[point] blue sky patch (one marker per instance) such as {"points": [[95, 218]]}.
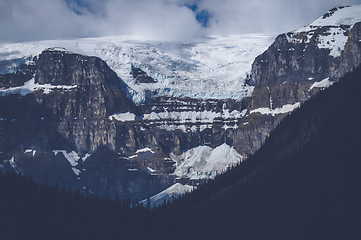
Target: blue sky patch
{"points": [[202, 15]]}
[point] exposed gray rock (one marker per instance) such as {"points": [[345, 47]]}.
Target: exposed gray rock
{"points": [[351, 55]]}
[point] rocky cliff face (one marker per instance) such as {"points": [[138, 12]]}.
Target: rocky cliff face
{"points": [[83, 110], [56, 116], [67, 119], [351, 55], [327, 48], [72, 110]]}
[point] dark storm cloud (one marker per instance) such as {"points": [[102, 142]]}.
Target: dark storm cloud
{"points": [[22, 20]]}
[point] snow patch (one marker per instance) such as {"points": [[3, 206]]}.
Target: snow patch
{"points": [[147, 149], [194, 116], [76, 171], [72, 156], [185, 128], [30, 86], [123, 117], [12, 162], [168, 194], [86, 157], [152, 171], [226, 127], [205, 162], [32, 151], [284, 109], [334, 39], [321, 84], [193, 120], [132, 169]]}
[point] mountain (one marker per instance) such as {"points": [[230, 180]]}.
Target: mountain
{"points": [[209, 68], [132, 118], [302, 183]]}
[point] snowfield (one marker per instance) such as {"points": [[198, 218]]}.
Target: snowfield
{"points": [[214, 67], [205, 162], [335, 37]]}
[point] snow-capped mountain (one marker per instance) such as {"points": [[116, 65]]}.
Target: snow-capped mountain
{"points": [[337, 21], [215, 67], [113, 115]]}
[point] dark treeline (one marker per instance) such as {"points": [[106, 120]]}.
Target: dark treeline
{"points": [[29, 210], [304, 183]]}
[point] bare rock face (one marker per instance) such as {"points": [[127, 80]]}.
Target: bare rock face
{"points": [[95, 93], [290, 60], [300, 58], [141, 76], [285, 73], [351, 55], [297, 56]]}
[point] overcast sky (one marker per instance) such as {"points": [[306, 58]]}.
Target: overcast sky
{"points": [[22, 20]]}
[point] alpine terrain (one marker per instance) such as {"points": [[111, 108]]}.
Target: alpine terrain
{"points": [[132, 119], [303, 183]]}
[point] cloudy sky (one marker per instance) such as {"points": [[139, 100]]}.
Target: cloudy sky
{"points": [[23, 20]]}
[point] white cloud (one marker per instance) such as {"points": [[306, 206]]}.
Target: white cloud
{"points": [[157, 19], [22, 20], [235, 16]]}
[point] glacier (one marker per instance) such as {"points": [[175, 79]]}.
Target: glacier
{"points": [[210, 68]]}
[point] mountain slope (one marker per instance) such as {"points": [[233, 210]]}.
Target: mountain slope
{"points": [[304, 182]]}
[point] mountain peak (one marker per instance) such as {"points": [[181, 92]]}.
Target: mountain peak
{"points": [[338, 16]]}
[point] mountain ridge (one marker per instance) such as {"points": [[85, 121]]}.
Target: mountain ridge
{"points": [[92, 117]]}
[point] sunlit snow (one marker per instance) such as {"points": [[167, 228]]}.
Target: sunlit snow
{"points": [[194, 116], [147, 149], [205, 162], [321, 84], [284, 109], [214, 67], [32, 151], [123, 117], [31, 86], [334, 38]]}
